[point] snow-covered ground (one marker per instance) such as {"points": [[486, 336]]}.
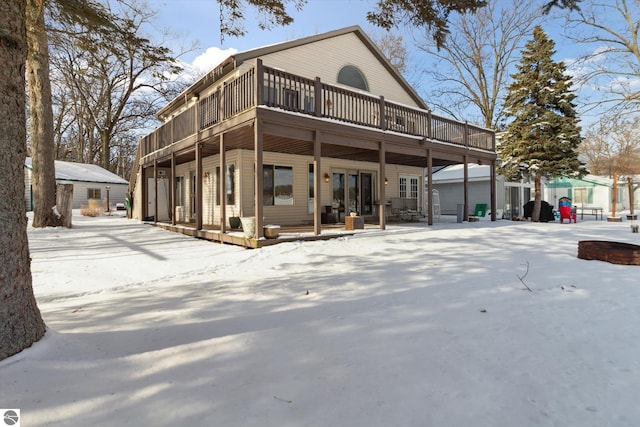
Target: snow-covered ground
{"points": [[412, 326]]}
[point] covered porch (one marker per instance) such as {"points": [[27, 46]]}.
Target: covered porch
{"points": [[338, 124]]}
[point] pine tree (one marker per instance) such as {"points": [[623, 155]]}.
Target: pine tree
{"points": [[21, 323], [543, 138]]}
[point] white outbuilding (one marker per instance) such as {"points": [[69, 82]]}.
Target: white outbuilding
{"points": [[89, 182]]}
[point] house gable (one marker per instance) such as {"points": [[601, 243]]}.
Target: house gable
{"points": [[326, 57], [323, 56]]}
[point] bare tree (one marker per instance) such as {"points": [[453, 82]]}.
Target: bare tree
{"points": [[394, 49], [613, 66], [271, 12], [40, 99], [74, 132], [40, 118], [22, 324], [472, 67], [430, 15], [119, 80], [612, 146]]}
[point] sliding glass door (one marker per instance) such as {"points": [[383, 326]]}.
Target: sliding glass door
{"points": [[353, 191]]}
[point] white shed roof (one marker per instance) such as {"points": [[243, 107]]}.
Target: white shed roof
{"points": [[70, 171], [455, 173]]}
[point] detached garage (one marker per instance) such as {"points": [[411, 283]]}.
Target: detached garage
{"points": [[89, 182]]}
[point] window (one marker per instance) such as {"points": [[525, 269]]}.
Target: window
{"points": [[409, 186], [270, 95], [403, 187], [180, 191], [277, 183], [291, 99], [93, 193], [580, 196], [230, 184], [309, 104], [218, 185], [352, 76], [311, 189]]}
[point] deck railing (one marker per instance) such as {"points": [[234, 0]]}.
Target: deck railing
{"points": [[262, 85]]}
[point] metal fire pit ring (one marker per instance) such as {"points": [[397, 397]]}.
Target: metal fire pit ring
{"points": [[613, 252]]}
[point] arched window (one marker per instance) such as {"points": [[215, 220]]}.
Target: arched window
{"points": [[352, 76]]}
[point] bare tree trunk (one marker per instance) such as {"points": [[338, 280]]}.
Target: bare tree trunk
{"points": [[64, 202], [105, 148], [537, 204], [615, 195], [20, 322], [41, 117], [631, 201]]}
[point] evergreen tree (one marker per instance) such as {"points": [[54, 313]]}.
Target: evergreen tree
{"points": [[543, 138], [20, 321]]}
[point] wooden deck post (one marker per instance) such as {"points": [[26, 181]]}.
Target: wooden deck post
{"points": [[493, 141], [155, 190], [466, 135], [221, 103], [172, 188], [258, 160], [465, 215], [317, 182], [222, 186], [317, 93], [383, 117], [171, 137], [429, 187], [259, 83], [382, 159], [199, 186], [494, 204]]}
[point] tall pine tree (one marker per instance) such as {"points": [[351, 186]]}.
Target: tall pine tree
{"points": [[543, 138]]}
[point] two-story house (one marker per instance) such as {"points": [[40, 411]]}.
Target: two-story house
{"points": [[293, 132]]}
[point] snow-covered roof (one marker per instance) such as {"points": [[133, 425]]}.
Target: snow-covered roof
{"points": [[70, 171], [455, 173], [588, 180]]}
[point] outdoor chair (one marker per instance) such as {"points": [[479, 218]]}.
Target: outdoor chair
{"points": [[567, 213], [481, 210], [398, 209], [566, 210], [411, 206]]}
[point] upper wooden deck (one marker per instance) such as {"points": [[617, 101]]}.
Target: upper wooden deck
{"points": [[265, 86]]}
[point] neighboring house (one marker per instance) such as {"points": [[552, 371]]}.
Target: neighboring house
{"points": [[89, 182], [590, 190], [593, 190], [326, 121], [449, 181], [510, 196]]}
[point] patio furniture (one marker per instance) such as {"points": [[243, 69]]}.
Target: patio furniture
{"points": [[566, 210], [546, 211], [480, 210]]}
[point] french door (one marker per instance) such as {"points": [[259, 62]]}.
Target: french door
{"points": [[353, 191]]}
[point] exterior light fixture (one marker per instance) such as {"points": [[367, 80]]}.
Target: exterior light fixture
{"points": [[108, 187], [326, 177], [386, 180]]}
